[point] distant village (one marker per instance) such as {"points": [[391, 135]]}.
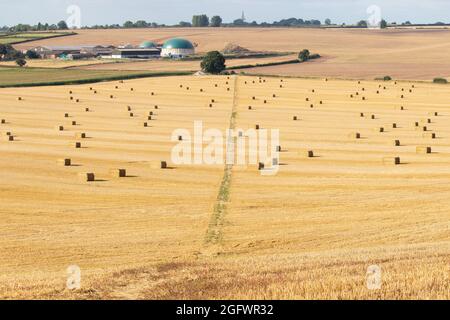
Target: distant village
{"points": [[175, 48]]}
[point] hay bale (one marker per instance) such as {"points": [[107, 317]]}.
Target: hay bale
{"points": [[394, 125], [416, 124], [213, 101], [391, 161], [320, 102], [279, 149], [257, 127], [307, 99], [295, 118], [249, 107], [355, 135], [423, 150], [149, 118], [71, 98], [74, 123], [181, 86], [150, 113], [210, 105], [363, 98], [311, 106], [309, 154], [64, 162], [80, 135], [254, 98], [228, 89], [111, 97], [86, 177], [422, 128], [118, 173], [274, 95], [156, 107], [427, 120], [59, 128], [128, 108], [95, 92], [86, 109], [201, 90], [435, 114], [380, 129], [3, 121], [145, 124], [19, 98], [260, 166], [180, 138], [131, 114], [265, 101], [9, 138], [131, 89], [372, 117], [78, 100], [216, 85], [117, 87], [163, 165], [281, 86], [77, 145], [396, 143], [7, 133], [429, 135], [66, 115], [361, 114]]}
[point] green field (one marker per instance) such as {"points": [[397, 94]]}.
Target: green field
{"points": [[17, 77], [13, 38]]}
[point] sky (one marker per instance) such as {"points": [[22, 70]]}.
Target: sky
{"points": [[173, 11]]}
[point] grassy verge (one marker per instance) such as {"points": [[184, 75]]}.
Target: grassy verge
{"points": [[30, 77]]}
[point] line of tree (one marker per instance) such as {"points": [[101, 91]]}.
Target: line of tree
{"points": [[62, 25], [203, 20]]}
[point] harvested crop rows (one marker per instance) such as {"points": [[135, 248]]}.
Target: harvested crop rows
{"points": [[363, 179]]}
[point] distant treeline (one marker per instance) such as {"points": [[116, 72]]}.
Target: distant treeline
{"points": [[215, 21]]}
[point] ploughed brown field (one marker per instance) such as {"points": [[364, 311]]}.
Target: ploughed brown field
{"points": [[401, 53], [211, 231]]}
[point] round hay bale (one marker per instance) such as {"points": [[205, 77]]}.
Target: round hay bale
{"points": [[145, 124], [429, 135], [77, 145], [396, 143], [59, 128], [355, 135]]}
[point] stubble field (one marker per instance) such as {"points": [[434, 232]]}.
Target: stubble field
{"points": [[210, 231], [366, 54]]}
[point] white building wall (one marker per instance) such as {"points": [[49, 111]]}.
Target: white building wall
{"points": [[177, 52]]}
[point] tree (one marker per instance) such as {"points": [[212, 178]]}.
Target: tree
{"points": [[62, 25], [304, 55], [30, 54], [328, 22], [362, 24], [239, 22], [200, 20], [21, 62], [216, 21], [383, 24], [213, 62], [185, 24], [128, 25]]}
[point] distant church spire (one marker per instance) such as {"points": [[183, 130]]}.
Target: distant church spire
{"points": [[243, 16]]}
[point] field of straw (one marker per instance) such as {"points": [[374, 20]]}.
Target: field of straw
{"points": [[403, 54], [210, 231]]}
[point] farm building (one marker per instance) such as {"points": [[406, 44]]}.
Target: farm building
{"points": [[136, 53], [177, 48], [72, 52]]}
